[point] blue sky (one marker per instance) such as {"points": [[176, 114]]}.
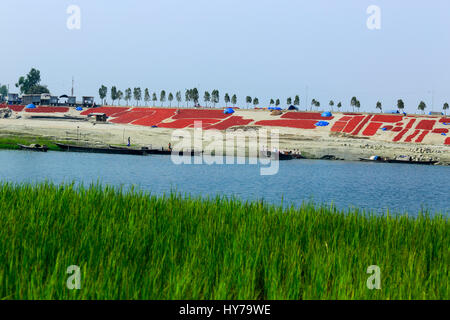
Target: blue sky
{"points": [[262, 48]]}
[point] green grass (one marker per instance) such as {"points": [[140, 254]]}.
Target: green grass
{"points": [[10, 142], [131, 245]]}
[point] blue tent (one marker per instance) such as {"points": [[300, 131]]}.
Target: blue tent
{"points": [[384, 129], [30, 106], [321, 124], [79, 108], [228, 111], [277, 108], [326, 114]]}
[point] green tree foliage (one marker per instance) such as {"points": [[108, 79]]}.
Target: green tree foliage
{"points": [[137, 94], [297, 101], [255, 102], [422, 106], [272, 102], [445, 107], [146, 96], [30, 84], [339, 105], [187, 96], [154, 98], [379, 106], [227, 99], [353, 102], [102, 92], [162, 97], [277, 103], [289, 101], [3, 90], [170, 98], [400, 104], [358, 104], [113, 94], [234, 100], [331, 104], [128, 95], [119, 96], [248, 100], [215, 97], [178, 96], [195, 96], [207, 98]]}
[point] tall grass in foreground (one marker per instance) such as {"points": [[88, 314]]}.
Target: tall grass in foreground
{"points": [[131, 245]]}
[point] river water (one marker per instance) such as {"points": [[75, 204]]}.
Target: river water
{"points": [[373, 186]]}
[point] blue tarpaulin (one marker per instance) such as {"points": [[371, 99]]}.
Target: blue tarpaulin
{"points": [[321, 124], [384, 129], [79, 108], [228, 111], [30, 106], [326, 114]]}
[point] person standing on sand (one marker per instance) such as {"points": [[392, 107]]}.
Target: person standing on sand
{"points": [[129, 142]]}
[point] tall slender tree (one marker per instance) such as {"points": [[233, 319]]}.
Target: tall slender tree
{"points": [[119, 96], [353, 102], [277, 102], [162, 97], [255, 102], [178, 96], [289, 101], [154, 99], [137, 95], [234, 100], [187, 97], [379, 106], [248, 100], [195, 96], [339, 105], [358, 104], [146, 96], [207, 98], [128, 95], [331, 103], [445, 108], [422, 106], [113, 94], [102, 92], [297, 101], [400, 105], [170, 98], [313, 103], [227, 99], [215, 97], [272, 102]]}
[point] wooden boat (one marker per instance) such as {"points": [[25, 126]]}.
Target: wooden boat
{"points": [[425, 162], [281, 155], [106, 150], [156, 151], [404, 160], [34, 147]]}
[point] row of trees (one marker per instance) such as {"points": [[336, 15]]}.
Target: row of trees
{"points": [[213, 97]]}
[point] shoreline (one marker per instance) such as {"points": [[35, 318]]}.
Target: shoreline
{"points": [[313, 144]]}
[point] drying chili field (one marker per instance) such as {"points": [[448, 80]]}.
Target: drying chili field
{"points": [[131, 245]]}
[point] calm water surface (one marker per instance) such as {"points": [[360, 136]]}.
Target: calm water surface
{"points": [[374, 186]]}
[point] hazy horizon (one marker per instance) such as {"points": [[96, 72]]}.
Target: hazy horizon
{"points": [[264, 49]]}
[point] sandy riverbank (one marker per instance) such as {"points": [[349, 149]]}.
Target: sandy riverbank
{"points": [[313, 143]]}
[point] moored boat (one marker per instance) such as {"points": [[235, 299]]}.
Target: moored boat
{"points": [[107, 150], [34, 147]]}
